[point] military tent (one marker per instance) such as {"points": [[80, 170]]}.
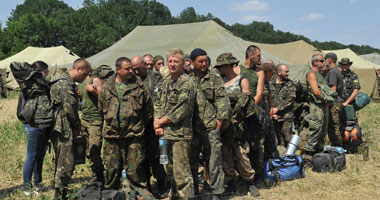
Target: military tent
{"points": [[158, 40], [372, 57], [53, 56], [298, 52], [364, 69]]}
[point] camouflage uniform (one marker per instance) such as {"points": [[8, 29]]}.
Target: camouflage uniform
{"points": [[317, 120], [350, 82], [64, 97], [91, 122], [257, 145], [211, 104], [152, 164], [283, 96], [2, 86], [126, 108], [176, 102]]}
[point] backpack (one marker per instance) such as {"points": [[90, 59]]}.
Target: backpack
{"points": [[93, 190], [352, 136], [104, 71], [329, 161], [284, 168]]}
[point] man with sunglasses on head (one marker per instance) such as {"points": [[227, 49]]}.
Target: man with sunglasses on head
{"points": [[318, 109]]}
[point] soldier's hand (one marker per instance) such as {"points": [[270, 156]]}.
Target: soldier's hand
{"points": [[156, 123], [275, 117], [159, 131], [219, 123]]}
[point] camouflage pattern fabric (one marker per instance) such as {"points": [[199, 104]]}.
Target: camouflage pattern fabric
{"points": [[178, 169], [176, 102], [3, 90], [350, 82], [252, 77], [126, 118], [154, 83], [283, 132], [64, 97], [284, 95], [93, 133], [334, 133], [124, 153], [318, 123]]}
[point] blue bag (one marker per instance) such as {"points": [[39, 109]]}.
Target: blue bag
{"points": [[361, 101], [284, 168]]}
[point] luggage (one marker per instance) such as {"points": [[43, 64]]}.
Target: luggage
{"points": [[361, 101], [348, 114], [352, 136], [329, 161], [284, 168], [93, 191]]}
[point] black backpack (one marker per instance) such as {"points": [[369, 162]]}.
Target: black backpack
{"points": [[93, 191], [329, 161], [352, 136]]}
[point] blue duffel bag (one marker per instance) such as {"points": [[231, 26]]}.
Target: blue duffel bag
{"points": [[361, 101], [284, 168]]}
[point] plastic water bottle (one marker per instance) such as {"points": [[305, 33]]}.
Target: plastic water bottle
{"points": [[338, 149], [123, 175], [163, 143]]}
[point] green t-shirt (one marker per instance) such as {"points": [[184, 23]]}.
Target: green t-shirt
{"points": [[90, 110]]}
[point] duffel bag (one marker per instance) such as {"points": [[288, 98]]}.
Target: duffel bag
{"points": [[93, 191], [329, 161], [361, 101], [286, 168]]}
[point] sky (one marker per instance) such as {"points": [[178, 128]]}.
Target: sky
{"points": [[344, 21]]}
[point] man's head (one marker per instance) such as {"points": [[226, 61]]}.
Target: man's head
{"points": [[253, 53], [268, 68], [283, 71], [187, 63], [225, 62], [345, 64], [200, 61], [42, 67], [148, 61], [124, 68], [158, 62], [138, 66], [175, 61], [317, 61], [80, 70], [331, 59]]}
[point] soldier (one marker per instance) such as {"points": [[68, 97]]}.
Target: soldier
{"points": [[2, 86], [351, 85], [148, 61], [173, 114], [188, 69], [211, 108], [126, 107], [64, 97], [334, 80], [284, 94], [91, 119], [152, 81], [317, 119]]}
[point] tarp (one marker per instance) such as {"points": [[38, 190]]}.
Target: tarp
{"points": [[364, 69], [158, 40], [298, 52], [53, 56], [372, 57]]}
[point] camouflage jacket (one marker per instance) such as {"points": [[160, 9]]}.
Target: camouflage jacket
{"points": [[350, 82], [212, 102], [283, 96], [176, 102], [64, 97], [154, 83], [136, 109]]}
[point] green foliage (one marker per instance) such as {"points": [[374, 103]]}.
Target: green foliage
{"points": [[100, 23]]}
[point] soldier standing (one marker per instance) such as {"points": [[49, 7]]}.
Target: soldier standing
{"points": [[64, 98], [173, 114], [351, 85], [334, 80], [126, 107], [211, 108], [284, 94]]}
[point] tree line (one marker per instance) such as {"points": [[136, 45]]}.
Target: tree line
{"points": [[100, 23]]}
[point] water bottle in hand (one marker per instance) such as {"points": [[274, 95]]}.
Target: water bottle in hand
{"points": [[163, 143]]}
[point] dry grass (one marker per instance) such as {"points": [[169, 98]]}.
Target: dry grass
{"points": [[360, 180]]}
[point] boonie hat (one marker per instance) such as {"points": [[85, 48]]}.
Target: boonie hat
{"points": [[345, 61], [226, 59]]}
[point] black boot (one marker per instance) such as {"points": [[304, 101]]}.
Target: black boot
{"points": [[231, 188]]}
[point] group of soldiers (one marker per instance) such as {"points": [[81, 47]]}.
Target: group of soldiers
{"points": [[231, 116]]}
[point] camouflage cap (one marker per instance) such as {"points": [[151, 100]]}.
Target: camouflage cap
{"points": [[226, 59], [345, 61]]}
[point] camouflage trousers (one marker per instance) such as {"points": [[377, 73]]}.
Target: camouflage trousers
{"points": [[235, 156], [64, 159], [178, 170], [152, 163], [270, 142], [283, 131], [128, 154], [93, 133], [209, 143], [334, 134], [318, 121]]}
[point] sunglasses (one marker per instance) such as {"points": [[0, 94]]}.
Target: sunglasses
{"points": [[322, 61]]}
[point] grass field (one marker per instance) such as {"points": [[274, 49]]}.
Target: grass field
{"points": [[360, 180]]}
